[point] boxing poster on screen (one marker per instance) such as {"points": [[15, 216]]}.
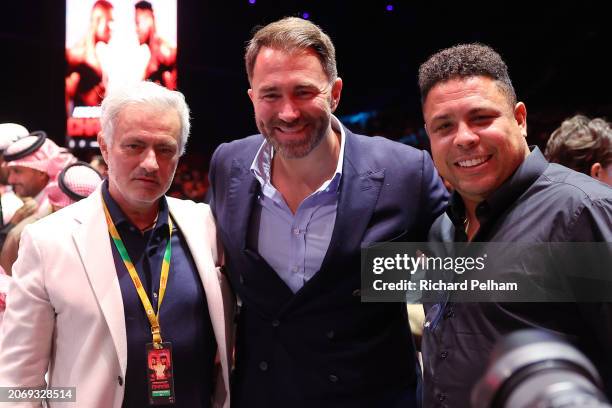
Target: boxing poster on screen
{"points": [[110, 43]]}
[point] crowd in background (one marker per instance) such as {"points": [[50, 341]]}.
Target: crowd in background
{"points": [[37, 178]]}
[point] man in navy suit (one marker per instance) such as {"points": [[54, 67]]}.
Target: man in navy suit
{"points": [[294, 205]]}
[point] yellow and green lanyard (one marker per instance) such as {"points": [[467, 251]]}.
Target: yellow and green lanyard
{"points": [[163, 280]]}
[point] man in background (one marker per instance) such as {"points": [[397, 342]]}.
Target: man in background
{"points": [[584, 145], [9, 202], [33, 161]]}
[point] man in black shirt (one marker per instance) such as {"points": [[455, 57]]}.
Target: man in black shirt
{"points": [[505, 191]]}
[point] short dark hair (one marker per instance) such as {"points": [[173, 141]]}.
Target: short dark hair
{"points": [[143, 5], [581, 142], [290, 34], [464, 61]]}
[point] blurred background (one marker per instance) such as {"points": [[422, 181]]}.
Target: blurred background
{"points": [[557, 55]]}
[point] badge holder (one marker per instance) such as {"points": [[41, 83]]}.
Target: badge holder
{"points": [[160, 378]]}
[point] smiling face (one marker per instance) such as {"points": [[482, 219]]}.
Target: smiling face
{"points": [[477, 136], [293, 100], [143, 155]]}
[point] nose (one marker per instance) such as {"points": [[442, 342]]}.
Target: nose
{"points": [[289, 111], [465, 137], [149, 161]]}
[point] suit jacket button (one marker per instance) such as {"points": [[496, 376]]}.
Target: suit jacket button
{"points": [[330, 334], [275, 323], [333, 378], [263, 366], [357, 292], [120, 380]]}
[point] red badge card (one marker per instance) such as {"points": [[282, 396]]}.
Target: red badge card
{"points": [[160, 378]]}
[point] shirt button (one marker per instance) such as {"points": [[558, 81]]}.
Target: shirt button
{"points": [[296, 231], [296, 269], [444, 354], [441, 397], [155, 295], [120, 380], [333, 378], [263, 366], [275, 323], [330, 334]]}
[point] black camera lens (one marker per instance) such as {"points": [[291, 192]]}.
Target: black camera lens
{"points": [[533, 368]]}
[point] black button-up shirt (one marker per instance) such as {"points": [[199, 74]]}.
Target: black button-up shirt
{"points": [[184, 317], [540, 202]]}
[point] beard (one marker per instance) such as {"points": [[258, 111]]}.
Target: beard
{"points": [[315, 130]]}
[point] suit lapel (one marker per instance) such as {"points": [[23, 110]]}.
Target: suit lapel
{"points": [[195, 231], [93, 244], [243, 187], [359, 192]]}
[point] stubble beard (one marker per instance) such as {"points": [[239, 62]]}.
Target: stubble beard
{"points": [[296, 149]]}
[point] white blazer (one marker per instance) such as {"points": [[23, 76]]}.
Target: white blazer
{"points": [[65, 313]]}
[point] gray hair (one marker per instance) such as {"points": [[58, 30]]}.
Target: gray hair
{"points": [[291, 34], [146, 93]]}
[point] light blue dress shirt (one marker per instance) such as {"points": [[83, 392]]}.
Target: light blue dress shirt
{"points": [[294, 245]]}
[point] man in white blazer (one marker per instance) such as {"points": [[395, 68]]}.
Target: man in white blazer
{"points": [[106, 286]]}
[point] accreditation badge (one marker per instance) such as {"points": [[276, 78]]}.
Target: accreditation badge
{"points": [[160, 378]]}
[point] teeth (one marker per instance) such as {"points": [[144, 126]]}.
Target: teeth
{"points": [[292, 130], [472, 162]]}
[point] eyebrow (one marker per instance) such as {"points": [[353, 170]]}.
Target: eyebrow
{"points": [[275, 88], [446, 116], [440, 117], [268, 88], [487, 109]]}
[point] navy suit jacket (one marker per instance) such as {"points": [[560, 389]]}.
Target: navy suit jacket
{"points": [[321, 346]]}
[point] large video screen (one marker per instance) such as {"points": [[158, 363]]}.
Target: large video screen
{"points": [[109, 43]]}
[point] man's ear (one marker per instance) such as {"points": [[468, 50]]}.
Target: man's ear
{"points": [[250, 93], [103, 146], [520, 115], [336, 92], [596, 170]]}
